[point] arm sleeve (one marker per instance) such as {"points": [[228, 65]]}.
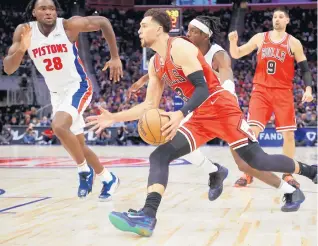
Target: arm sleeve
{"points": [[305, 72], [200, 94]]}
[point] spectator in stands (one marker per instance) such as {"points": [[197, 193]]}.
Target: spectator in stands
{"points": [[5, 135], [44, 122], [14, 121], [104, 138], [121, 136], [48, 136], [26, 121], [29, 136], [313, 120]]}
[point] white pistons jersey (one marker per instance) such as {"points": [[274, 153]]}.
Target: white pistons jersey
{"points": [[56, 58], [209, 56]]}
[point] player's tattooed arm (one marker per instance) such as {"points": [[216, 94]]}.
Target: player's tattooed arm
{"points": [[78, 24], [21, 42], [297, 49], [238, 52]]}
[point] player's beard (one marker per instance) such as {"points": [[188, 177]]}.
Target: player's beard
{"points": [[278, 27], [48, 24]]}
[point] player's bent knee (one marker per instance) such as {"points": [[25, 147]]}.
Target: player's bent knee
{"points": [[159, 165], [59, 127], [255, 157], [163, 154]]}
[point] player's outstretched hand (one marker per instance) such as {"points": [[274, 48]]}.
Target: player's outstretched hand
{"points": [[307, 97], [25, 38], [99, 122], [233, 36], [169, 130], [115, 69]]}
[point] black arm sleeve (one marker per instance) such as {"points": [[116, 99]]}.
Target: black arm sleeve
{"points": [[305, 72], [200, 94]]}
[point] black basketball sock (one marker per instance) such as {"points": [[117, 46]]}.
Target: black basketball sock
{"points": [[307, 171], [152, 203]]}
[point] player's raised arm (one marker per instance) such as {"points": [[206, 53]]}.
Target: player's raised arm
{"points": [[153, 96], [21, 42], [238, 52], [78, 24], [298, 51]]}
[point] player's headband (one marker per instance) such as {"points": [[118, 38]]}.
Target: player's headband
{"points": [[204, 28]]}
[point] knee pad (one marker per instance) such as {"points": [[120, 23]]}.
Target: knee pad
{"points": [[254, 156], [159, 164], [162, 154]]}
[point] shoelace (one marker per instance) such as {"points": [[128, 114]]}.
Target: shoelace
{"points": [[104, 189], [84, 177]]}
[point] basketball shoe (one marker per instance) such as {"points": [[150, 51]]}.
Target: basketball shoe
{"points": [[86, 180], [109, 188], [216, 182], [293, 200], [133, 221]]}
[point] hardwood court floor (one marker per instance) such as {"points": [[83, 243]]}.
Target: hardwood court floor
{"points": [[40, 206]]}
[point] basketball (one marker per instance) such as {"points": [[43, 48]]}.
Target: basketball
{"points": [[149, 127]]}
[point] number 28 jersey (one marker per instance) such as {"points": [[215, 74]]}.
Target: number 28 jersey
{"points": [[275, 63], [56, 58]]}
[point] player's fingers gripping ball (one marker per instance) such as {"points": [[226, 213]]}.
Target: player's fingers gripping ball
{"points": [[149, 127]]}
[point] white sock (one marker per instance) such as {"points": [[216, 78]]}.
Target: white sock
{"points": [[285, 187], [105, 176], [83, 167], [209, 166], [198, 159]]}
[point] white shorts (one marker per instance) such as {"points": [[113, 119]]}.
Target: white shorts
{"points": [[73, 100]]}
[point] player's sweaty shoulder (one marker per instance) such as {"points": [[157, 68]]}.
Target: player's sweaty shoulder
{"points": [[294, 42], [258, 39], [182, 49]]}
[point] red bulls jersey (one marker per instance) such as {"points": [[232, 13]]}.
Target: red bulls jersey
{"points": [[275, 63], [172, 74]]}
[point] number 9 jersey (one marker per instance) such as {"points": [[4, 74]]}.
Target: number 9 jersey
{"points": [[273, 83], [55, 57], [275, 64]]}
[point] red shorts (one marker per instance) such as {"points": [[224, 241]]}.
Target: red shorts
{"points": [[266, 101], [218, 117]]}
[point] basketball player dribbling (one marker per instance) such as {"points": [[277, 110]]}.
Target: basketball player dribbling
{"points": [[51, 44], [273, 83], [179, 63], [200, 31]]}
